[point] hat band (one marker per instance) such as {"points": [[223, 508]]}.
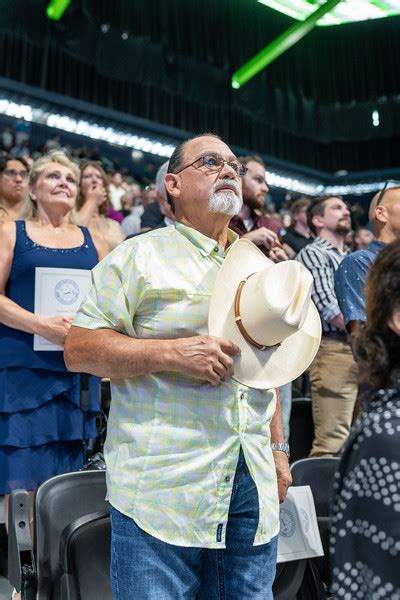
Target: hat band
{"points": [[238, 319]]}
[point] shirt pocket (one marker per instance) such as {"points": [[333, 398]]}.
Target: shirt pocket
{"points": [[170, 313]]}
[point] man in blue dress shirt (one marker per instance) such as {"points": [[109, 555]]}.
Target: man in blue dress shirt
{"points": [[350, 277]]}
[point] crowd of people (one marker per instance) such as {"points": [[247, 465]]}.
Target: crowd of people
{"points": [[67, 213]]}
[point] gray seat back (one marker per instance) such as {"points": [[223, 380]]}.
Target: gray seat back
{"points": [[59, 501]]}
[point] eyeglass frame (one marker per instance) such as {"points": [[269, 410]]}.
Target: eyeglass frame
{"points": [[13, 173], [243, 167], [385, 189]]}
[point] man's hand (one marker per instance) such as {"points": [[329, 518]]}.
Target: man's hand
{"points": [[338, 322], [283, 474], [203, 357], [262, 237], [277, 254]]}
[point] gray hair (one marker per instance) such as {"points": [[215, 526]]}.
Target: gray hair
{"points": [[160, 185]]}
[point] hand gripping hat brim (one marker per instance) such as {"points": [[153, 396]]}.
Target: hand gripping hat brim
{"points": [[269, 367]]}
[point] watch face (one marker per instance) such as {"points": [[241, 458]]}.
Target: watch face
{"points": [[67, 291]]}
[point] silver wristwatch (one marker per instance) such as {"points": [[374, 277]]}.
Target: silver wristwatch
{"points": [[281, 447]]}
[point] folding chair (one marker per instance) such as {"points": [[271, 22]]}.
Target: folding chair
{"points": [[301, 429], [319, 474], [85, 558], [36, 570], [288, 579]]}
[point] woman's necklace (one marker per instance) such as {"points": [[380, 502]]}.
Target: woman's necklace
{"points": [[55, 228]]}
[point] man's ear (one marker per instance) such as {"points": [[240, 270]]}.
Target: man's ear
{"points": [[394, 321], [172, 183], [317, 221], [381, 214]]}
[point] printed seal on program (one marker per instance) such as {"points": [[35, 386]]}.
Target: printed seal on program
{"points": [[67, 291], [306, 519], [288, 523]]}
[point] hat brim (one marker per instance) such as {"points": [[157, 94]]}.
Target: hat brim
{"points": [[256, 368]]}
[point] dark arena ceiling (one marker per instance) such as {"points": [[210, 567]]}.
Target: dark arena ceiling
{"points": [[171, 61]]}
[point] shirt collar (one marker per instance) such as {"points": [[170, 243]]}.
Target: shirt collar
{"points": [[205, 244], [323, 243], [376, 246]]}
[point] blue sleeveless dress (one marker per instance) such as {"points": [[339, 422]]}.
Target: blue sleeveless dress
{"points": [[41, 423]]}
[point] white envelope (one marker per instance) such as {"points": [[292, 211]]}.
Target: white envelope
{"points": [[58, 292], [299, 534]]}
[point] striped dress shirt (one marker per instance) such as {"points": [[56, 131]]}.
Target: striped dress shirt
{"points": [[322, 259], [173, 442]]}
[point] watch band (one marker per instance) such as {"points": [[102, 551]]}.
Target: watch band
{"points": [[281, 447]]}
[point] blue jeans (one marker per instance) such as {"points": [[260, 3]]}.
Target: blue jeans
{"points": [[145, 568]]}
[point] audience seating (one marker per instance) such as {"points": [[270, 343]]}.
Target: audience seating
{"points": [[301, 428], [85, 558], [288, 579], [319, 474], [60, 501]]}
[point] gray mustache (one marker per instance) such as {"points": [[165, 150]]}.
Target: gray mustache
{"points": [[227, 183]]}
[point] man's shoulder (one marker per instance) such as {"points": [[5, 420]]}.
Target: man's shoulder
{"points": [[359, 258], [144, 244], [318, 247], [152, 237]]}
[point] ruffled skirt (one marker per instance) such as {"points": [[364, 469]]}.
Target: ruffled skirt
{"points": [[42, 425]]}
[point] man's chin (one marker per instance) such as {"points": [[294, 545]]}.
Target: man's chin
{"points": [[255, 203], [343, 230], [227, 206]]}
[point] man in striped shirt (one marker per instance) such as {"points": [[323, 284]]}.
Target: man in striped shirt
{"points": [[333, 374]]}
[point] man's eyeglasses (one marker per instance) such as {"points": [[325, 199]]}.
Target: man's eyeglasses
{"points": [[215, 163], [13, 174], [390, 184]]}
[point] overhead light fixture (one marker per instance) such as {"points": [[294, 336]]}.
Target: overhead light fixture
{"points": [[353, 189], [293, 184], [139, 143], [346, 12], [85, 128], [281, 44], [56, 9]]}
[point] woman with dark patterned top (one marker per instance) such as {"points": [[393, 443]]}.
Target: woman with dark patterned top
{"points": [[365, 533]]}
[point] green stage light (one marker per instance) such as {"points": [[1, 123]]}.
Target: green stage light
{"points": [[283, 42], [56, 9], [347, 12]]}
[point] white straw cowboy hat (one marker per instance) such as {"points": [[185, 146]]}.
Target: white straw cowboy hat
{"points": [[266, 310]]}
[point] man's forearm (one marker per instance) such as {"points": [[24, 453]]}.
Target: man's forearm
{"points": [[276, 425], [108, 353]]}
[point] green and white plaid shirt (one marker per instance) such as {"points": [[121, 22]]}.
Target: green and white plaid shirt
{"points": [[173, 442]]}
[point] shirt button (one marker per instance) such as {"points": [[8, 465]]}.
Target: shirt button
{"points": [[227, 479], [216, 249], [242, 396]]}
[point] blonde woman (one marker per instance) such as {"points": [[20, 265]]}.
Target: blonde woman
{"points": [[41, 422], [93, 204]]}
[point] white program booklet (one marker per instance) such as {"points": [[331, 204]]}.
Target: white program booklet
{"points": [[299, 534], [58, 292]]}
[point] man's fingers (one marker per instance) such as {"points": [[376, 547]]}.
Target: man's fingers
{"points": [[227, 346], [213, 377], [220, 370]]}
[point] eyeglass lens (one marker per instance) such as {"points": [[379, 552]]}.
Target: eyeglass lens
{"points": [[13, 174], [215, 162]]}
